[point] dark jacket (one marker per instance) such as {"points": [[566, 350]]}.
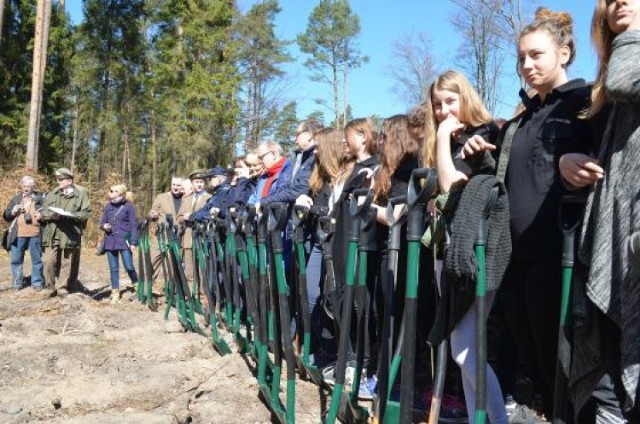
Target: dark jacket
{"points": [[38, 200], [246, 187], [343, 218], [124, 228], [216, 200], [547, 130], [66, 232], [298, 184], [281, 179]]}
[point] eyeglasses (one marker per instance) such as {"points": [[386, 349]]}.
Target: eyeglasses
{"points": [[114, 191], [262, 156], [301, 132]]}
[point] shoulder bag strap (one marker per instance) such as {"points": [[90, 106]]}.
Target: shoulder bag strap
{"points": [[505, 151]]}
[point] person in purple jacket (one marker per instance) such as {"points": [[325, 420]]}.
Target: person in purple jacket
{"points": [[119, 224]]}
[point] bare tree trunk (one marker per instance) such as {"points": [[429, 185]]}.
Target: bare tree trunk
{"points": [[248, 143], [76, 129], [46, 25], [36, 95], [125, 137], [335, 95], [345, 70], [154, 156], [1, 18], [61, 6], [128, 156], [258, 97]]}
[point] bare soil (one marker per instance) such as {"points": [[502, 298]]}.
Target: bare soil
{"points": [[80, 359]]}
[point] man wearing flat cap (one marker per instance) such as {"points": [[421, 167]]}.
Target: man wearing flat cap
{"points": [[65, 212], [191, 204], [219, 189]]}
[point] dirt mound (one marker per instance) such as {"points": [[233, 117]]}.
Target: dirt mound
{"points": [[80, 359]]}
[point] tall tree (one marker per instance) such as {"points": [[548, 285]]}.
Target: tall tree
{"points": [[330, 40], [412, 67], [107, 75], [195, 81], [286, 125], [41, 39], [488, 28], [16, 79], [260, 56]]}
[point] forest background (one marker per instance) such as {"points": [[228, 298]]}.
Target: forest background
{"points": [[139, 90]]}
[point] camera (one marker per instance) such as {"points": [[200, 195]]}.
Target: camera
{"points": [[27, 218]]}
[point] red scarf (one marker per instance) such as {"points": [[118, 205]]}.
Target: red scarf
{"points": [[271, 176]]}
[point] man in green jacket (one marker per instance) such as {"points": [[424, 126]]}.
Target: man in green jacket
{"points": [[65, 212]]}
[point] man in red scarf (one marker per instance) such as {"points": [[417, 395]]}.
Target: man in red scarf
{"points": [[278, 170]]}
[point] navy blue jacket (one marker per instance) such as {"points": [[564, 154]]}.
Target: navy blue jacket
{"points": [[124, 226], [299, 183], [246, 187], [281, 179], [215, 201]]}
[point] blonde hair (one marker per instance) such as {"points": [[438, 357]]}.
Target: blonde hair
{"points": [[602, 40], [472, 111], [122, 191], [559, 25]]}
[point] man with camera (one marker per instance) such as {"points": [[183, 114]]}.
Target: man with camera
{"points": [[65, 213], [23, 212]]}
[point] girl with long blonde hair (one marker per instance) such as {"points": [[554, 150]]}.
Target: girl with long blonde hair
{"points": [[455, 115]]}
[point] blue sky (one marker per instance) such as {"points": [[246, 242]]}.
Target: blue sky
{"points": [[382, 22]]}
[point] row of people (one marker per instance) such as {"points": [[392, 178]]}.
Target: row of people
{"points": [[566, 136]]}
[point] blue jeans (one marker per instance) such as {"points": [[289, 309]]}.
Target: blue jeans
{"points": [[321, 327], [18, 248], [114, 267]]}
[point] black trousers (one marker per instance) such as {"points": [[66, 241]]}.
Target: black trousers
{"points": [[530, 296]]}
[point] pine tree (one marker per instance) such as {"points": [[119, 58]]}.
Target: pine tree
{"points": [[107, 69], [330, 39], [195, 82], [261, 54]]}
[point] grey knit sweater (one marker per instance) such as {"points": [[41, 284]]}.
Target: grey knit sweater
{"points": [[612, 216]]}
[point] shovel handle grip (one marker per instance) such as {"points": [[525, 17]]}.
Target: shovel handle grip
{"points": [[422, 186]]}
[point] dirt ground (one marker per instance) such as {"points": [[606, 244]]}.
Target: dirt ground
{"points": [[80, 359]]}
